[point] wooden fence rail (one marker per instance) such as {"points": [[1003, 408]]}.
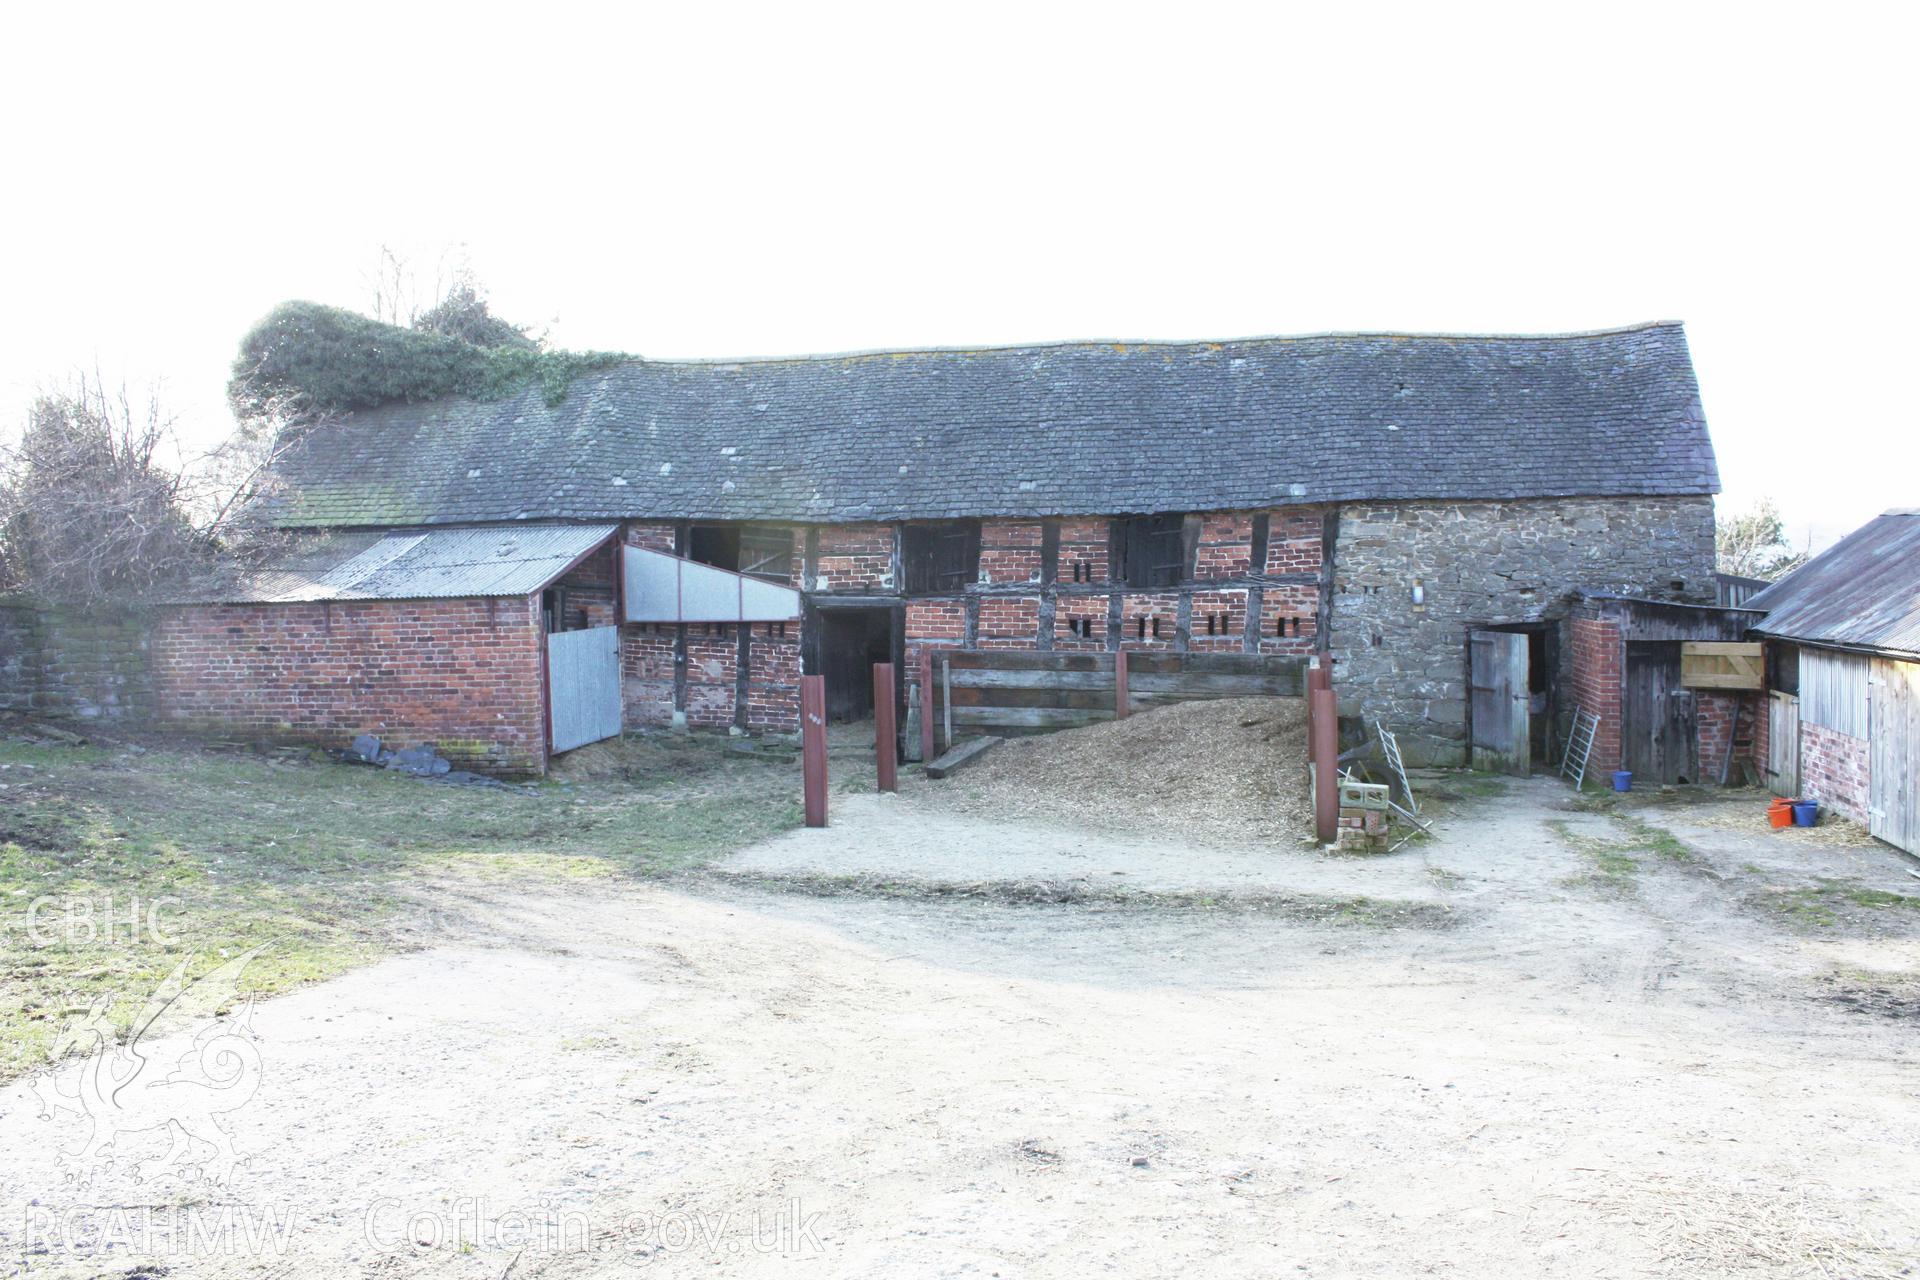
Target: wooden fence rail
{"points": [[1016, 691]]}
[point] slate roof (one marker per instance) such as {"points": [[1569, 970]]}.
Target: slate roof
{"points": [[417, 564], [1863, 592], [1074, 429]]}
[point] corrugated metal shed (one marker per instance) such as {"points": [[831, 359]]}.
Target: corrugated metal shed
{"points": [[1861, 593], [416, 564]]}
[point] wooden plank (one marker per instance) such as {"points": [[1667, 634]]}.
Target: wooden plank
{"points": [[1027, 660], [1893, 754], [1026, 717], [1086, 699], [960, 755], [1706, 664], [1221, 686], [1783, 744], [977, 678]]}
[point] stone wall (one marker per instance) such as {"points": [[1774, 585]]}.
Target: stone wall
{"points": [[62, 664], [1485, 563]]}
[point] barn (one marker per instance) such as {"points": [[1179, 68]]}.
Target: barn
{"points": [[676, 542], [1842, 640]]}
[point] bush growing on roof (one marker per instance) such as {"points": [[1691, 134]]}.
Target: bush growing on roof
{"points": [[325, 360]]}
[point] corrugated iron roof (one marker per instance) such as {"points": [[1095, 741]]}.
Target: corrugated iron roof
{"points": [[1862, 592], [419, 564]]}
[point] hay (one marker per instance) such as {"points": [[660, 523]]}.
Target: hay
{"points": [[1748, 816], [1233, 766]]}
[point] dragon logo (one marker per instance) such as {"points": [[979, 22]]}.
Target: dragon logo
{"points": [[180, 1066]]}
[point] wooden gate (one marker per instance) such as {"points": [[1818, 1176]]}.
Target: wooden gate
{"points": [[1783, 744], [1497, 692], [583, 686], [1893, 754], [1659, 740]]}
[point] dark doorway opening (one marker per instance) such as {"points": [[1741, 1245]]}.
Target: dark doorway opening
{"points": [[1543, 686], [851, 641]]}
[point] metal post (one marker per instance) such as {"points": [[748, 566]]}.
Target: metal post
{"points": [[926, 706], [813, 748], [886, 739], [1323, 747], [1120, 684]]}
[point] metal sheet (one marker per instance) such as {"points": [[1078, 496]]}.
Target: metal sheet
{"points": [[670, 588], [1864, 591], [583, 682], [418, 564]]}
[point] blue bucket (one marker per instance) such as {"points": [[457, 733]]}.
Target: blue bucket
{"points": [[1806, 813], [1622, 780]]}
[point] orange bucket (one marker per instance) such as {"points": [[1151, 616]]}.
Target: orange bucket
{"points": [[1780, 812]]}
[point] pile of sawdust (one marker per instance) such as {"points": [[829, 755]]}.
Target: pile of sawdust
{"points": [[1236, 767]]}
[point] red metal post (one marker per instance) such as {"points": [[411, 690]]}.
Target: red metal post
{"points": [[1120, 684], [1323, 748], [886, 738], [926, 706], [813, 748]]}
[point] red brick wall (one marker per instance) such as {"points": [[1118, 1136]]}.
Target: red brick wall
{"points": [[1227, 610], [656, 535], [1092, 610], [854, 557], [773, 681], [1083, 542], [1008, 622], [1226, 545], [1714, 719], [1010, 551], [713, 667], [463, 674], [1599, 668], [1293, 542], [1298, 608], [1833, 770], [646, 673]]}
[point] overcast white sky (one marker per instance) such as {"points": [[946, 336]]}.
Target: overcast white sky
{"points": [[700, 181]]}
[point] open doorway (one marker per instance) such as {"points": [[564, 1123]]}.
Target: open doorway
{"points": [[1502, 690], [850, 641]]}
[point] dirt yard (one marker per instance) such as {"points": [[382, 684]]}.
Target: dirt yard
{"points": [[1564, 1038]]}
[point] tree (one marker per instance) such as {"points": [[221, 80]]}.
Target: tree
{"points": [[98, 508], [1754, 544]]}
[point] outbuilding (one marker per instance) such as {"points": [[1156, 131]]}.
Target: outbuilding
{"points": [[1842, 637]]}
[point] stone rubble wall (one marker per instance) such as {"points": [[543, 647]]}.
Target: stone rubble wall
{"points": [[1488, 563]]}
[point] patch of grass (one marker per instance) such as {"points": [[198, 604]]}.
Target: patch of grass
{"points": [[213, 852], [1611, 865], [1646, 837], [1446, 879], [1823, 905]]}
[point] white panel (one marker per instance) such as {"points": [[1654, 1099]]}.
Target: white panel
{"points": [[668, 588], [583, 685]]}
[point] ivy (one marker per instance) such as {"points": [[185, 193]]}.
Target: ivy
{"points": [[325, 359]]}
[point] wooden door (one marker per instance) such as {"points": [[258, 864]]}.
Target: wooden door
{"points": [[1893, 753], [1497, 701], [1783, 744], [1660, 741], [583, 686]]}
